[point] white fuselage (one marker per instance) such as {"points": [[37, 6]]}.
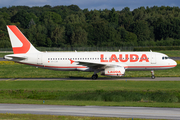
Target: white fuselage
{"points": [[129, 60]]}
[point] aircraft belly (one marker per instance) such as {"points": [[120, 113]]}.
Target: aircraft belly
{"points": [[129, 68]]}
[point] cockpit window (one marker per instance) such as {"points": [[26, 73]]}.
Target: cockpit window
{"points": [[165, 58]]}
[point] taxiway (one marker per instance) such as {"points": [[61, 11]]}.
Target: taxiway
{"points": [[81, 79], [100, 111]]}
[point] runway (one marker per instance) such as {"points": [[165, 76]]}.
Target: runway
{"points": [[100, 111], [85, 79], [1, 59]]}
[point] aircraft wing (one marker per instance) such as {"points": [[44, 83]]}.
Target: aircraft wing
{"points": [[91, 64], [98, 65]]}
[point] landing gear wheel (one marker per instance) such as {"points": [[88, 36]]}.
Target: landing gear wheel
{"points": [[153, 77], [152, 73], [94, 76]]}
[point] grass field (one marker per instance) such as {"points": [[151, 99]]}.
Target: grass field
{"points": [[171, 53], [101, 93], [9, 116], [90, 85]]}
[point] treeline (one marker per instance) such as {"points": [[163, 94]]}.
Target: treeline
{"points": [[70, 26]]}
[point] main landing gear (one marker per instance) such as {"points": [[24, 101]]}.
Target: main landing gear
{"points": [[94, 76], [152, 73]]}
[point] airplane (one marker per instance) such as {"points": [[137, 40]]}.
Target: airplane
{"points": [[108, 63]]}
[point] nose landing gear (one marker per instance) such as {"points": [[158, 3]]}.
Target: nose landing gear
{"points": [[94, 76], [152, 73]]}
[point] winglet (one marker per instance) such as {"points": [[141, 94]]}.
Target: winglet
{"points": [[20, 44]]}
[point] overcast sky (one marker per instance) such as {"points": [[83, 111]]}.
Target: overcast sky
{"points": [[92, 4]]}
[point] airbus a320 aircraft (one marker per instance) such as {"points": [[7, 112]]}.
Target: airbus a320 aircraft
{"points": [[108, 63]]}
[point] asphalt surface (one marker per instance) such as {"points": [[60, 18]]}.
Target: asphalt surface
{"points": [[1, 59], [175, 58], [100, 111], [85, 79]]}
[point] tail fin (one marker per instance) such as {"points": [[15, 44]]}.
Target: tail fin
{"points": [[20, 44]]}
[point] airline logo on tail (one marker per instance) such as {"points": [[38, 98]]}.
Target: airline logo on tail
{"points": [[20, 44]]}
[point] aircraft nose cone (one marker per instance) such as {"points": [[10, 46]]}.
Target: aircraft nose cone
{"points": [[174, 63]]}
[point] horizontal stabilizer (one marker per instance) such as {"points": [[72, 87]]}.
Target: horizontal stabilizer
{"points": [[15, 57]]}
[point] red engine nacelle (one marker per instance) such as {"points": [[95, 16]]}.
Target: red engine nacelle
{"points": [[114, 71]]}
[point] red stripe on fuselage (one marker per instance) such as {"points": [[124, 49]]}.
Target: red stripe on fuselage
{"points": [[71, 67], [150, 66]]}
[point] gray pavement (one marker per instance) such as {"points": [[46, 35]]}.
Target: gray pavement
{"points": [[1, 59], [81, 79], [100, 111]]}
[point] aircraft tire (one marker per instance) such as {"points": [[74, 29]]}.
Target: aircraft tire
{"points": [[153, 77], [94, 76]]}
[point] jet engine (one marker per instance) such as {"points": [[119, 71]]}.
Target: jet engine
{"points": [[114, 71]]}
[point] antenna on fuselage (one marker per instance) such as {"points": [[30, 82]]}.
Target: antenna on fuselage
{"points": [[150, 50]]}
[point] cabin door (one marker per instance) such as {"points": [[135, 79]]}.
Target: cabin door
{"points": [[153, 58]]}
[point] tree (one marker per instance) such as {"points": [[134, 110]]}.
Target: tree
{"points": [[127, 37], [113, 17], [22, 17], [79, 37], [141, 29], [56, 18], [57, 36], [41, 35]]}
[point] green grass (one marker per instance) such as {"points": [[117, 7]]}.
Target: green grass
{"points": [[171, 53], [95, 95], [90, 85], [10, 116], [100, 93], [25, 71], [3, 54]]}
